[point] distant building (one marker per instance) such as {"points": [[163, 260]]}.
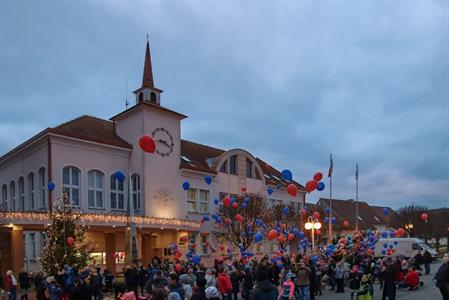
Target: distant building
{"points": [[81, 158]]}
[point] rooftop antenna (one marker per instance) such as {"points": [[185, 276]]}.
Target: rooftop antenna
{"points": [[126, 93]]}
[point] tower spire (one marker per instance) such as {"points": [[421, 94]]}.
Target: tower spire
{"points": [[147, 80]]}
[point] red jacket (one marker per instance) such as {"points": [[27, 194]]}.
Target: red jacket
{"points": [[224, 284], [412, 278], [8, 284]]}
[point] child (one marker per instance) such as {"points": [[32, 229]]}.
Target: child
{"points": [[288, 288], [366, 289]]}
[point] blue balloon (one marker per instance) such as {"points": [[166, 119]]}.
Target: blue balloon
{"points": [[392, 234], [328, 210], [385, 246], [385, 211], [196, 259], [214, 217], [216, 201], [208, 179], [320, 186], [287, 175], [301, 235], [286, 210], [185, 185], [119, 176], [383, 252], [270, 191], [326, 220], [244, 205], [51, 186], [206, 218], [258, 237], [391, 246], [395, 242], [384, 234], [295, 231], [334, 220]]}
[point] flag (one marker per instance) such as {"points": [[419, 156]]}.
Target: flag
{"points": [[357, 171], [331, 167]]}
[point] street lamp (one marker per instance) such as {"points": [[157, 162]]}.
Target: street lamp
{"points": [[409, 227], [312, 225]]}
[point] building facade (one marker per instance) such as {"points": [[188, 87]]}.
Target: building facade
{"points": [[82, 156]]}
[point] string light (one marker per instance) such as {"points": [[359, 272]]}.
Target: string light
{"points": [[100, 219]]}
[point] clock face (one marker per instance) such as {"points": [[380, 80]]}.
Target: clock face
{"points": [[164, 141]]}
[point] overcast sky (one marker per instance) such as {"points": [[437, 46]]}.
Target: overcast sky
{"points": [[290, 83]]}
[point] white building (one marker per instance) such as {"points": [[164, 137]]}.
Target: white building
{"points": [[81, 158]]}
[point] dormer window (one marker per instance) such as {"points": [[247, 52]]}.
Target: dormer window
{"points": [[153, 97], [140, 97]]}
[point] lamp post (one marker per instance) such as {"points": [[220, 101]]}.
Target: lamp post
{"points": [[409, 228], [312, 225]]}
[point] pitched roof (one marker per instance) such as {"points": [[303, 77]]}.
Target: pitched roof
{"points": [[391, 219], [149, 104], [147, 80], [345, 210], [91, 129]]}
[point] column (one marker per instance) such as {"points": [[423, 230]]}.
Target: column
{"points": [[109, 239], [17, 249], [146, 249]]}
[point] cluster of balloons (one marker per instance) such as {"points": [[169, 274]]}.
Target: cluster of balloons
{"points": [[359, 242], [311, 185]]}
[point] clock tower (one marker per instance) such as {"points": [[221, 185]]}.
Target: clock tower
{"points": [[158, 172]]}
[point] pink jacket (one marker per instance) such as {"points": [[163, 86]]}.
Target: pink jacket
{"points": [[292, 288]]}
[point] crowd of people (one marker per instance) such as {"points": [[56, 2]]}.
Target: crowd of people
{"points": [[283, 277]]}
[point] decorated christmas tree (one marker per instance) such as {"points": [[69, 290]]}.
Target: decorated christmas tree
{"points": [[66, 239]]}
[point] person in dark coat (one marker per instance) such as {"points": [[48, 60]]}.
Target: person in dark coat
{"points": [[174, 286], [419, 260], [427, 259], [264, 289], [248, 282], [314, 281], [389, 272], [235, 280], [131, 279], [24, 283], [442, 277], [39, 286], [142, 278], [200, 293], [79, 290]]}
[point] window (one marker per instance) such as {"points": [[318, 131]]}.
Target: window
{"points": [[191, 200], [153, 97], [204, 201], [203, 243], [249, 168], [95, 192], [32, 246], [198, 200], [416, 246], [233, 164], [117, 193], [257, 174], [135, 185], [12, 191], [31, 191], [224, 167], [4, 204], [140, 97], [42, 188], [71, 184], [21, 193]]}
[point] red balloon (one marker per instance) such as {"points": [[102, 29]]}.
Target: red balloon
{"points": [[235, 205], [283, 225], [318, 176], [266, 167], [227, 221], [424, 217], [272, 234], [311, 185], [346, 223], [239, 218], [292, 189], [184, 239], [243, 189], [147, 144], [227, 201], [318, 232], [316, 214], [202, 221], [369, 251], [178, 268], [70, 241], [178, 254], [401, 232], [222, 247], [290, 237], [281, 238]]}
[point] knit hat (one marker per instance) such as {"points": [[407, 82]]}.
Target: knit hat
{"points": [[185, 279], [212, 292]]}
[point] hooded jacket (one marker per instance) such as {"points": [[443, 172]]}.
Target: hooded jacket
{"points": [[264, 291]]}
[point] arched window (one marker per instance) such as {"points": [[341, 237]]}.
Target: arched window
{"points": [[31, 204], [233, 165], [21, 193], [95, 190], [4, 204], [71, 184], [135, 186], [153, 97], [42, 184], [140, 97], [117, 193], [12, 193]]}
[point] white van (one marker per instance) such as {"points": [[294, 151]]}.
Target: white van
{"points": [[407, 247]]}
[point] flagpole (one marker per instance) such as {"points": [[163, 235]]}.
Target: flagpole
{"points": [[330, 199], [357, 197]]}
